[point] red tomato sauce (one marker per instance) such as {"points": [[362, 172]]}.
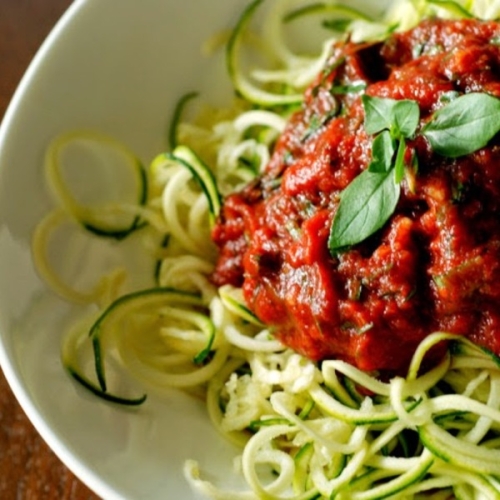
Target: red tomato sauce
{"points": [[434, 266]]}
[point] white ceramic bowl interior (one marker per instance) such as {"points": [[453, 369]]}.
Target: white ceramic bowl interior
{"points": [[116, 67]]}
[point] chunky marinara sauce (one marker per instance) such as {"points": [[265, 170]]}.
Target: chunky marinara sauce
{"points": [[436, 263]]}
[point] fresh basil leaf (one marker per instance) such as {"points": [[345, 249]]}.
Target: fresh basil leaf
{"points": [[401, 117], [464, 125], [365, 206], [406, 116], [383, 149], [378, 113], [399, 164]]}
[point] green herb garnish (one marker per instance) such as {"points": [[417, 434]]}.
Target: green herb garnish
{"points": [[368, 202], [462, 126], [365, 205], [353, 88]]}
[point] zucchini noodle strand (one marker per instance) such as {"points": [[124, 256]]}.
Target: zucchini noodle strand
{"points": [[307, 430]]}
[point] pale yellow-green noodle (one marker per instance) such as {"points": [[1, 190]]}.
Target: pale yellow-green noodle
{"points": [[306, 430]]}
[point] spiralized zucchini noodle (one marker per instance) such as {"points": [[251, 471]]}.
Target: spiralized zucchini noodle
{"points": [[307, 430]]}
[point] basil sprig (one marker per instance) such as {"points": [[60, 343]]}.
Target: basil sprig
{"points": [[464, 125], [371, 198]]}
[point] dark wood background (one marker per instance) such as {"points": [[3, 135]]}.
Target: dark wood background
{"points": [[29, 470]]}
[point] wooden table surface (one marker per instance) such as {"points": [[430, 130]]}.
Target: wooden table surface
{"points": [[29, 470]]}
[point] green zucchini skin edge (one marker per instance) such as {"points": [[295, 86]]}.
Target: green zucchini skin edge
{"points": [[137, 223], [253, 95], [96, 330], [103, 394], [176, 117], [203, 175]]}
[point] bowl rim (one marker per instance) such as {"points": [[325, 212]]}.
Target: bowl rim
{"points": [[11, 373]]}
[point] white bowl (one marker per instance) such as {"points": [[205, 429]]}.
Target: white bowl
{"points": [[116, 67]]}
